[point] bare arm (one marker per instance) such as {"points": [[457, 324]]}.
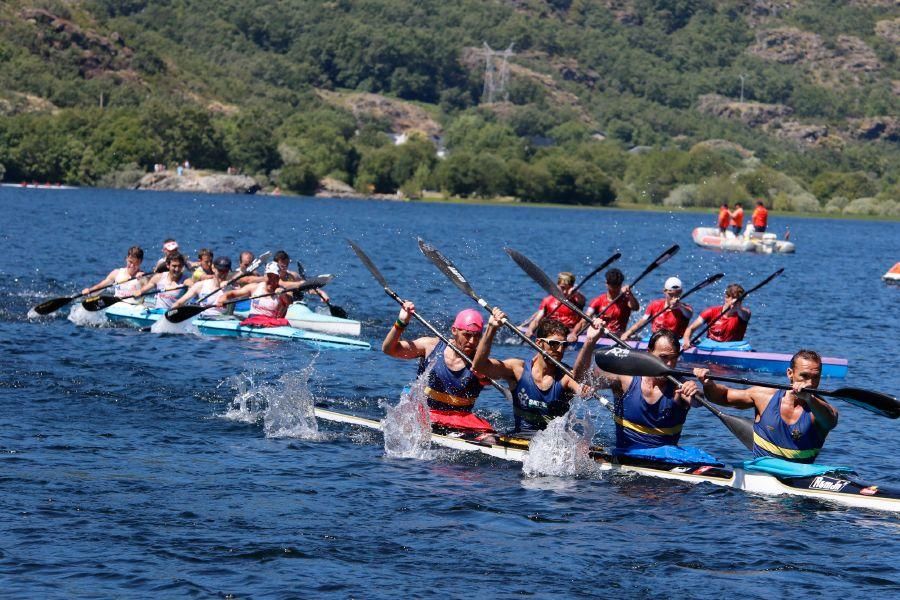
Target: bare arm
{"points": [[689, 333], [726, 396], [825, 416], [482, 363], [399, 348]]}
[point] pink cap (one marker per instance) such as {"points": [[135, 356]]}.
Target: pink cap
{"points": [[469, 320]]}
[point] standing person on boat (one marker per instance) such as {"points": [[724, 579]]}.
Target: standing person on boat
{"points": [[452, 387], [540, 390], [127, 278], [650, 412], [673, 314], [169, 247], [269, 310], [791, 425], [551, 307], [170, 284], [731, 327], [737, 218], [204, 268], [210, 289], [760, 217], [724, 219], [616, 318]]}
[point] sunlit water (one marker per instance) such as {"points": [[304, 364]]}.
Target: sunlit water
{"points": [[139, 464]]}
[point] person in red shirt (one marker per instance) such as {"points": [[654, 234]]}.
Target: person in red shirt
{"points": [[550, 306], [673, 314], [724, 219], [730, 328], [616, 318], [737, 218], [760, 217]]}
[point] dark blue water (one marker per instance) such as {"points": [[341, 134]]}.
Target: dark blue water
{"points": [[122, 475]]}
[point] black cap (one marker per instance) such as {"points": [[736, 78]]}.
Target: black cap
{"points": [[222, 262]]}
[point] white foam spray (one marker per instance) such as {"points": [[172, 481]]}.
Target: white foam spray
{"points": [[80, 316], [562, 449], [407, 426]]}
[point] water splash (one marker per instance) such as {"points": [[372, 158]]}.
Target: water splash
{"points": [[163, 325], [80, 316], [249, 402], [407, 426], [561, 450], [290, 412]]}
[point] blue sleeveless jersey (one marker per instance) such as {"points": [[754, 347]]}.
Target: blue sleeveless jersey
{"points": [[446, 389], [799, 442], [643, 425], [533, 408]]}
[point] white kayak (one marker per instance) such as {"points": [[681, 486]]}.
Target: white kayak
{"points": [[299, 315], [750, 241]]}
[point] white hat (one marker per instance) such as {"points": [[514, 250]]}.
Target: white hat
{"points": [[272, 268], [672, 283]]}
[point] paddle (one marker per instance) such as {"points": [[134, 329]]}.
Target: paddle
{"points": [[706, 282], [367, 262], [742, 428], [334, 309], [585, 279], [739, 299], [183, 313], [631, 362], [650, 268], [96, 303], [54, 304]]}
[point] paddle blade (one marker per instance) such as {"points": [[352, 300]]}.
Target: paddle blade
{"points": [[535, 272], [875, 402], [367, 263], [446, 266], [740, 427], [52, 305], [337, 311], [95, 303], [624, 361], [315, 282], [183, 313]]}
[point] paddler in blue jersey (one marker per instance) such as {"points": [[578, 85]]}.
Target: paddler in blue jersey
{"points": [[452, 387], [791, 425], [650, 412], [540, 390]]}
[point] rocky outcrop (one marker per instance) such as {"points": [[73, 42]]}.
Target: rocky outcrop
{"points": [[198, 181], [752, 114], [806, 134], [403, 116], [875, 128], [889, 30]]}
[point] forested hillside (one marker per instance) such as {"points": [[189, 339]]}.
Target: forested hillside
{"points": [[683, 102]]}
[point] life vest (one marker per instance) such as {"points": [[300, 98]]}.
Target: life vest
{"points": [[446, 389], [533, 407], [640, 424], [772, 436], [760, 217]]}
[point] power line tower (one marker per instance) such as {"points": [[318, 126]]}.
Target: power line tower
{"points": [[496, 76]]}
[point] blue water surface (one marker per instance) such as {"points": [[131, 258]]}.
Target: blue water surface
{"points": [[121, 476]]}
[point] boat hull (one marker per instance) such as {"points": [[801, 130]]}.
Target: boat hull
{"points": [[299, 315], [765, 243], [893, 276]]}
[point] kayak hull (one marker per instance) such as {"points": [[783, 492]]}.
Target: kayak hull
{"points": [[299, 315], [766, 243], [893, 276]]}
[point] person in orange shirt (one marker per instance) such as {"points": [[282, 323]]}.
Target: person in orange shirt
{"points": [[737, 218], [724, 219], [760, 217]]}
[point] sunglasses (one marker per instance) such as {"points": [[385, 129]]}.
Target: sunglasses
{"points": [[554, 344]]}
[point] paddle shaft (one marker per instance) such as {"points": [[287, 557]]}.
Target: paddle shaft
{"points": [[585, 279], [250, 268], [699, 286], [740, 299]]}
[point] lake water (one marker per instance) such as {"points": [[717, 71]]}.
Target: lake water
{"points": [[127, 469]]}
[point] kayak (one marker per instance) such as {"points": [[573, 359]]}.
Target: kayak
{"points": [[762, 243], [893, 276], [772, 477], [142, 316], [741, 356], [299, 315]]}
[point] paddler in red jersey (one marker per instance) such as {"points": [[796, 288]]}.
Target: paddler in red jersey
{"points": [[760, 217], [552, 308], [730, 328], [737, 218], [616, 318], [790, 425], [451, 386], [724, 219], [671, 313]]}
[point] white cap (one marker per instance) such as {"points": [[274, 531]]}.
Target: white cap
{"points": [[272, 268], [672, 283]]}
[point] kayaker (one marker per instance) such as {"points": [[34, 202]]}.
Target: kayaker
{"points": [[452, 387], [284, 262], [204, 268], [207, 288], [737, 218], [791, 425], [127, 278], [169, 246], [540, 390], [551, 307], [673, 314], [724, 219], [649, 412], [760, 217], [616, 318], [730, 328], [246, 259], [269, 310], [171, 283]]}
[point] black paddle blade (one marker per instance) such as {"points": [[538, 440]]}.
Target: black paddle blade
{"points": [[183, 313], [337, 311], [52, 305], [367, 263], [95, 303], [875, 402], [446, 266], [535, 272], [664, 257], [740, 427], [624, 361]]}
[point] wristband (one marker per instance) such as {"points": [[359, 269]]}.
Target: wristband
{"points": [[400, 324]]}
